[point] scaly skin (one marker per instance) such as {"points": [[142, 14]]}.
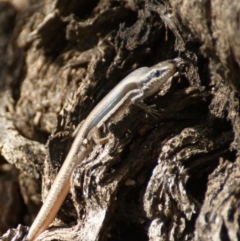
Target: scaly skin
{"points": [[136, 86]]}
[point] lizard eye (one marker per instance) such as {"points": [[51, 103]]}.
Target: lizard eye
{"points": [[156, 73]]}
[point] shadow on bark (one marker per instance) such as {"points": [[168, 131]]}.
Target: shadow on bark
{"points": [[175, 177]]}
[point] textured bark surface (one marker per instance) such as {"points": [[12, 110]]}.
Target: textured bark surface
{"points": [[175, 177]]}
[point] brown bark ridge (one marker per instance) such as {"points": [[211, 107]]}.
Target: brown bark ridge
{"points": [[175, 177]]}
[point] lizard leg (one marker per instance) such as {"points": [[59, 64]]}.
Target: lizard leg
{"points": [[137, 101], [94, 134]]}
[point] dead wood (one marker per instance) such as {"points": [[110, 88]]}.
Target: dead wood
{"points": [[171, 178]]}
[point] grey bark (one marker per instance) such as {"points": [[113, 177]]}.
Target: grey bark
{"points": [[171, 178]]}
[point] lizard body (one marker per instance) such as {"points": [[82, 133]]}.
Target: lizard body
{"points": [[139, 84]]}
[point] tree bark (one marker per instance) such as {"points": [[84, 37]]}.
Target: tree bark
{"points": [[174, 177]]}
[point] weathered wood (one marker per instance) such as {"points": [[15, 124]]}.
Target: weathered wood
{"points": [[171, 178]]}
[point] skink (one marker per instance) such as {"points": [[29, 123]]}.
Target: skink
{"points": [[138, 85]]}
